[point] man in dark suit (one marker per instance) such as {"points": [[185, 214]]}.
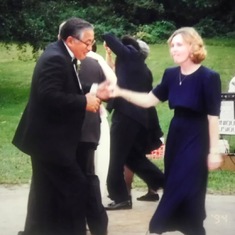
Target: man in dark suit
{"points": [[49, 131]]}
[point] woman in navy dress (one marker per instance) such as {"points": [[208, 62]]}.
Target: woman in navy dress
{"points": [[193, 91]]}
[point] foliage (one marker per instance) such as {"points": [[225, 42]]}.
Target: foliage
{"points": [[139, 12], [36, 21], [117, 25], [156, 32], [211, 28], [190, 12]]}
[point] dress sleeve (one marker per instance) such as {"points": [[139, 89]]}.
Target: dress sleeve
{"points": [[212, 93], [161, 91]]}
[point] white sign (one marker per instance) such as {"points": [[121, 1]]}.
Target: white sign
{"points": [[227, 115]]}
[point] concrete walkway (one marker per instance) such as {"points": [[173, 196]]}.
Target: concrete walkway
{"points": [[220, 213]]}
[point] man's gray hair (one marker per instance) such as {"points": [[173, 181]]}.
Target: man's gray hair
{"points": [[144, 48], [74, 27]]}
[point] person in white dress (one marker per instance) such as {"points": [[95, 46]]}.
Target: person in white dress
{"points": [[232, 85], [102, 152]]}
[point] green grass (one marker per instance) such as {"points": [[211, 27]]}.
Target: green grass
{"points": [[220, 181], [15, 79]]}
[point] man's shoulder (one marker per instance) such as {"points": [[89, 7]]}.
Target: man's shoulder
{"points": [[56, 49]]}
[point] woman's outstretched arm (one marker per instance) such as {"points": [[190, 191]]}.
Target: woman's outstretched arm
{"points": [[141, 99]]}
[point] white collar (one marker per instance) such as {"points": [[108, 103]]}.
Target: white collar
{"points": [[69, 51]]}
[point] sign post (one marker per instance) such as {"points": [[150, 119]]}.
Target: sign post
{"points": [[227, 127], [227, 114]]}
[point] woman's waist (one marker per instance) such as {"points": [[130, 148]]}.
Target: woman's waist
{"points": [[187, 112]]}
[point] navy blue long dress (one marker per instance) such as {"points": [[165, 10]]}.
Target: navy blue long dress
{"points": [[182, 206]]}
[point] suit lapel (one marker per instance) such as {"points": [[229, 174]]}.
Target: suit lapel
{"points": [[75, 74]]}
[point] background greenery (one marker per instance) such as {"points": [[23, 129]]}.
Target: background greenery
{"points": [[36, 21], [15, 77], [27, 26]]}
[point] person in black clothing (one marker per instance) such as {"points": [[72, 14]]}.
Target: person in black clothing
{"points": [[151, 195], [49, 131], [134, 130]]}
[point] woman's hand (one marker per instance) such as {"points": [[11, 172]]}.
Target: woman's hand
{"points": [[215, 161], [107, 49], [115, 91]]}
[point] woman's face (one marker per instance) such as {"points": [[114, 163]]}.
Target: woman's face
{"points": [[179, 49]]}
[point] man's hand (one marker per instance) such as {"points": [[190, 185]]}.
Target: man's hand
{"points": [[93, 103]]}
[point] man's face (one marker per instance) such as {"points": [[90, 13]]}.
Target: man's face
{"points": [[80, 47]]}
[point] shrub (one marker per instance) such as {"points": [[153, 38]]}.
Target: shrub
{"points": [[212, 28], [118, 26], [156, 32]]}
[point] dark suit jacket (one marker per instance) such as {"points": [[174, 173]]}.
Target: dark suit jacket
{"points": [[50, 126], [133, 74], [91, 72]]}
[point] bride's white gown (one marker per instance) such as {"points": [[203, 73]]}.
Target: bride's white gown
{"points": [[102, 152], [101, 160]]}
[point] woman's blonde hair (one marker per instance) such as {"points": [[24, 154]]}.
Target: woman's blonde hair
{"points": [[191, 36]]}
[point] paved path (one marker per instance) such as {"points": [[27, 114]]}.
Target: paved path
{"points": [[220, 214]]}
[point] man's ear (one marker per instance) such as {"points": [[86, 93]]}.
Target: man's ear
{"points": [[69, 41]]}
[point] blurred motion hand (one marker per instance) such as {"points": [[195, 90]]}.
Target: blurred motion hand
{"points": [[115, 91], [104, 90]]}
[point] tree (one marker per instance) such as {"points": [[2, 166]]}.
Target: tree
{"points": [[36, 21]]}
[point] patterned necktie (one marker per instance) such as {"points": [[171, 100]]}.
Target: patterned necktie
{"points": [[74, 61]]}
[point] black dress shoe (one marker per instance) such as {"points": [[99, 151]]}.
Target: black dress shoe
{"points": [[150, 197], [119, 206]]}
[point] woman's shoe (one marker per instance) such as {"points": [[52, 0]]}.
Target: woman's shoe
{"points": [[148, 233]]}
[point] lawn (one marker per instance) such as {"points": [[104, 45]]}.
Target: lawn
{"points": [[16, 69]]}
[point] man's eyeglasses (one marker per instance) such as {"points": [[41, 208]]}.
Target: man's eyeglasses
{"points": [[88, 44]]}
